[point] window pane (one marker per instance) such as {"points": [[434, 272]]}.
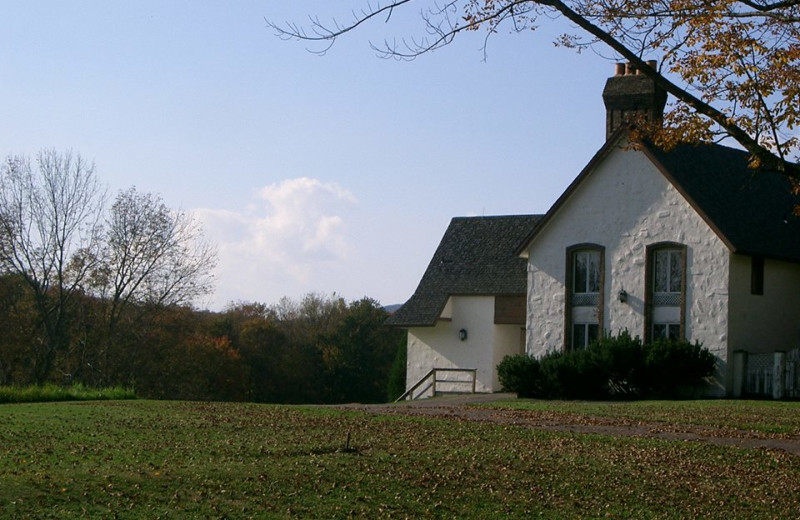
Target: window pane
{"points": [[660, 271], [659, 331], [594, 271], [579, 336], [667, 271], [675, 271], [587, 272], [592, 333], [674, 331], [580, 273], [757, 275]]}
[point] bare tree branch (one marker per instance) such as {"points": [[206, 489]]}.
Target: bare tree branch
{"points": [[50, 235], [321, 33]]}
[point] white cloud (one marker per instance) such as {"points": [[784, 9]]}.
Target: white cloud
{"points": [[281, 241]]}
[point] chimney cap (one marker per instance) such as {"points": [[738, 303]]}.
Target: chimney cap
{"points": [[631, 69]]}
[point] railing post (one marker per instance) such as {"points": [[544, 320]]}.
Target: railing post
{"points": [[474, 377], [778, 375], [433, 386], [739, 373], [792, 361]]}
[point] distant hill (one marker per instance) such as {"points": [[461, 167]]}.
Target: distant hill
{"points": [[391, 309]]}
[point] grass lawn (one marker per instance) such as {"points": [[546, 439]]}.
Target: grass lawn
{"points": [[146, 459], [49, 392], [776, 418]]}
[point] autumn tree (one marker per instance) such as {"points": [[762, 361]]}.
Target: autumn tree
{"points": [[50, 221], [281, 370], [359, 353], [18, 326], [733, 66], [153, 257], [180, 360], [304, 320], [320, 349], [153, 254]]}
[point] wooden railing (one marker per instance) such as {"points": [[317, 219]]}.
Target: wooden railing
{"points": [[432, 378]]}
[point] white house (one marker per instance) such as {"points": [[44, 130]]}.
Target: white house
{"points": [[688, 243], [468, 311], [683, 244]]}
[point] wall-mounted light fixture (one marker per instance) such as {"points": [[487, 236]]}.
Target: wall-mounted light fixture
{"points": [[462, 334], [623, 296]]}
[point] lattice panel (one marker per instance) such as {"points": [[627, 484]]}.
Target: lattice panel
{"points": [[759, 374], [667, 299], [585, 299]]}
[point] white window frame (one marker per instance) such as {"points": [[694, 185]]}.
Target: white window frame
{"points": [[671, 331], [584, 306], [586, 337], [666, 297]]}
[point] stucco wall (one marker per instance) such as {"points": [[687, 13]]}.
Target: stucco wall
{"points": [[624, 205], [768, 322], [440, 347], [509, 341]]}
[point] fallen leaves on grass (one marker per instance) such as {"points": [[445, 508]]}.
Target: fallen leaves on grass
{"points": [[176, 459]]}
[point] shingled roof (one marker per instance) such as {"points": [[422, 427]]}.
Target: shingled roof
{"points": [[475, 257], [751, 210]]}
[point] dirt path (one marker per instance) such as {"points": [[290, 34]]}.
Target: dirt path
{"points": [[459, 408]]}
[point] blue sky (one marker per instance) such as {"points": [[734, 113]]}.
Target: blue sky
{"points": [[335, 173]]}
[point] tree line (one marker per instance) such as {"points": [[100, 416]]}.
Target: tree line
{"points": [[320, 349], [103, 296]]}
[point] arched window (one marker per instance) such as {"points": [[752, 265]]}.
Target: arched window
{"points": [[585, 275], [665, 291]]}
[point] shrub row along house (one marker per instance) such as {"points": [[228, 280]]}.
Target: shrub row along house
{"points": [[688, 243]]}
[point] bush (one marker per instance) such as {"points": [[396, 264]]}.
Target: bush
{"points": [[614, 367], [555, 375], [610, 369], [520, 374], [571, 375], [675, 369], [621, 358]]}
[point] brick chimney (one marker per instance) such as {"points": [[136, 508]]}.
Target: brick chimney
{"points": [[630, 93]]}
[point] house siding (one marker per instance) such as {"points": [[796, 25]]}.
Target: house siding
{"points": [[440, 347], [507, 342], [769, 322], [624, 205]]}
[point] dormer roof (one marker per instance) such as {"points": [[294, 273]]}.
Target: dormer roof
{"points": [[476, 256]]}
